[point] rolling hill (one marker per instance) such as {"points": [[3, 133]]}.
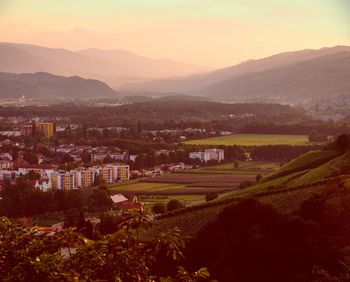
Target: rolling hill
{"points": [[217, 83], [47, 86], [314, 173], [111, 66]]}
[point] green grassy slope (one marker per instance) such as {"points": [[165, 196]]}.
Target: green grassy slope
{"points": [[309, 160], [287, 189]]}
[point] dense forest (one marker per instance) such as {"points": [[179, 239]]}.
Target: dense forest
{"points": [[155, 114]]}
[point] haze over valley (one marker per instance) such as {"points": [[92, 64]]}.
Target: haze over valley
{"points": [[175, 141], [285, 77]]}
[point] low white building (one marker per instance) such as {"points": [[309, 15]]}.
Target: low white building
{"points": [[197, 155], [13, 133], [118, 198]]}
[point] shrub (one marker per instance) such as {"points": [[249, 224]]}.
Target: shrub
{"points": [[158, 208], [211, 196], [174, 205], [245, 184], [109, 224], [258, 178]]}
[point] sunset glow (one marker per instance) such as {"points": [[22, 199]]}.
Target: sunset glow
{"points": [[212, 33]]}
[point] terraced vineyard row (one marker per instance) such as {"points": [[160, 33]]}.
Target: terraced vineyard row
{"points": [[334, 180], [191, 219]]}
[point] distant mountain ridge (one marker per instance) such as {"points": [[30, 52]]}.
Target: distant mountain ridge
{"points": [[203, 84], [283, 77], [47, 86], [326, 76], [111, 66]]}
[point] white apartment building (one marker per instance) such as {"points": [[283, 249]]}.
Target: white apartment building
{"points": [[214, 154], [63, 180], [114, 172], [85, 178], [208, 155]]}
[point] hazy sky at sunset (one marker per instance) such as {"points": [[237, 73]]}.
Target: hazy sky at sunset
{"points": [[211, 33]]}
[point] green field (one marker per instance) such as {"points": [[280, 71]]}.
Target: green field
{"points": [[253, 140], [187, 200], [145, 186]]}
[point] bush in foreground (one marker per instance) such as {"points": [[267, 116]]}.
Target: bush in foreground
{"points": [[27, 255]]}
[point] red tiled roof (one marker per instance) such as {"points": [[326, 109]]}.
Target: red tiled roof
{"points": [[130, 205], [37, 166], [19, 162]]}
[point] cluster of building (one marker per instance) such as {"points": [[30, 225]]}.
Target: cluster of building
{"points": [[208, 155], [85, 177], [52, 178], [44, 128]]}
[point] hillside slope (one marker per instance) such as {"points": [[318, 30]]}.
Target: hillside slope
{"points": [[287, 190], [48, 86]]}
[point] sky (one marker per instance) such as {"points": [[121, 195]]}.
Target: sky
{"points": [[210, 33]]}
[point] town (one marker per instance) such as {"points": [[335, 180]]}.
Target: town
{"points": [[111, 163]]}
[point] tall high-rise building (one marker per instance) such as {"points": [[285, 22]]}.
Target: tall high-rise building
{"points": [[63, 180], [84, 178], [26, 129], [45, 128]]}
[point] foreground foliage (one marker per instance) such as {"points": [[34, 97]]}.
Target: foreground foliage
{"points": [[28, 255], [251, 241]]}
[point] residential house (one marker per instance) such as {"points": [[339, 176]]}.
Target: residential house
{"points": [[5, 165]]}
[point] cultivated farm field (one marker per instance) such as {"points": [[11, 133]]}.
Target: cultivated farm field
{"points": [[141, 186], [253, 140], [182, 178]]}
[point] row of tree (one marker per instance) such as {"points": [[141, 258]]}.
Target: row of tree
{"points": [[23, 200]]}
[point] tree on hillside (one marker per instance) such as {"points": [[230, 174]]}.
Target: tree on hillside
{"points": [[174, 205], [251, 241], [32, 175], [30, 158], [258, 178], [158, 208], [245, 184], [101, 199], [342, 143], [108, 224], [139, 127], [67, 158], [211, 196]]}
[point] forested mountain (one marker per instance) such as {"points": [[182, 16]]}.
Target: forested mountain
{"points": [[111, 66], [47, 86], [326, 76], [196, 84]]}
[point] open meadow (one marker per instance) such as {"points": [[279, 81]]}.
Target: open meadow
{"points": [[253, 140]]}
